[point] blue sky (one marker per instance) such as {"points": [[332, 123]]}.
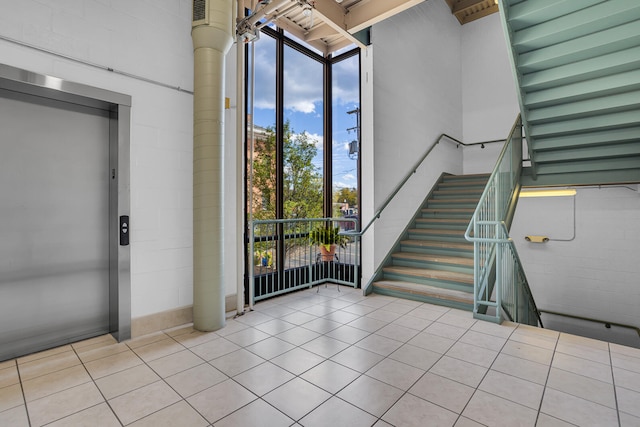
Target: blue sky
{"points": [[303, 102]]}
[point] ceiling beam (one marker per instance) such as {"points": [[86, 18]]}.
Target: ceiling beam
{"points": [[481, 14], [297, 31], [462, 6], [334, 15], [470, 10], [320, 31], [339, 45], [365, 14]]}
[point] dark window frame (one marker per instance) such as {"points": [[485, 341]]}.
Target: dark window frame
{"points": [[327, 63]]}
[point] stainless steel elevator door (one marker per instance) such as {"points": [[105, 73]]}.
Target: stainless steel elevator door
{"points": [[54, 229]]}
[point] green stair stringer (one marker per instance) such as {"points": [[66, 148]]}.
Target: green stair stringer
{"points": [[431, 261]]}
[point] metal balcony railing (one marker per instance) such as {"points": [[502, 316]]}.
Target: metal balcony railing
{"points": [[284, 258]]}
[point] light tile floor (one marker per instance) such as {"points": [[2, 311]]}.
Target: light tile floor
{"points": [[330, 359]]}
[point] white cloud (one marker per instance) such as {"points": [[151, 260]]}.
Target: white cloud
{"points": [[265, 73], [302, 106], [341, 184], [302, 79], [346, 81], [302, 82], [318, 140]]}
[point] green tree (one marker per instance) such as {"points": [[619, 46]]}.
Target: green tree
{"points": [[302, 182], [264, 175], [342, 195], [348, 195]]}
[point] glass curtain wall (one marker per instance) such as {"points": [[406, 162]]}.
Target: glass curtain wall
{"points": [[290, 149], [261, 135], [345, 90], [303, 130]]}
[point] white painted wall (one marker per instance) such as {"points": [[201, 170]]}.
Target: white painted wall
{"points": [[489, 99], [150, 40], [594, 275], [417, 96]]}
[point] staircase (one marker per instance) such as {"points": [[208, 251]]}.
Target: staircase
{"points": [[433, 262], [577, 68]]}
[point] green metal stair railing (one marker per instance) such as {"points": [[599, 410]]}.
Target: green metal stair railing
{"points": [[499, 279]]}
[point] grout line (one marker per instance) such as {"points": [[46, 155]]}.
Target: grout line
{"points": [[24, 397], [613, 382], [546, 381], [310, 296]]}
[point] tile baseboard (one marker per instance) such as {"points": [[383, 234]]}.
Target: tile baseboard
{"points": [[170, 318]]}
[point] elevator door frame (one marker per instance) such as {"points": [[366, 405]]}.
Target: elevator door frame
{"points": [[119, 108]]}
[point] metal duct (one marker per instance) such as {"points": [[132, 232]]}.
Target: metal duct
{"points": [[212, 39]]}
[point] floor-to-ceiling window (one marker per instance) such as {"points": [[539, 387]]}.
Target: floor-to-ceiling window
{"points": [[261, 135], [301, 128], [303, 131], [295, 164], [345, 91]]}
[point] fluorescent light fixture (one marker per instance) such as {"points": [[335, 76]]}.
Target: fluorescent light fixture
{"points": [[548, 193]]}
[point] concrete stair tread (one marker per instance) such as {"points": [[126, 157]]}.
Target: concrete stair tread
{"points": [[466, 177], [434, 258], [448, 210], [426, 290], [462, 185], [443, 220], [426, 273], [442, 231], [437, 244], [452, 192], [435, 240], [465, 200]]}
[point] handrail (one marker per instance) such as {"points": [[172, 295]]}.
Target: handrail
{"points": [[412, 171], [492, 177], [589, 319], [495, 255], [481, 143], [504, 231]]}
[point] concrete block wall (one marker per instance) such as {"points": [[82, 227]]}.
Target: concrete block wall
{"points": [[152, 40], [593, 272]]}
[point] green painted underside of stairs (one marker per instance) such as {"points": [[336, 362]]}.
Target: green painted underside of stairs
{"points": [[576, 65]]}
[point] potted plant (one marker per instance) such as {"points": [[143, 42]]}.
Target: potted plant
{"points": [[327, 238], [263, 258]]}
